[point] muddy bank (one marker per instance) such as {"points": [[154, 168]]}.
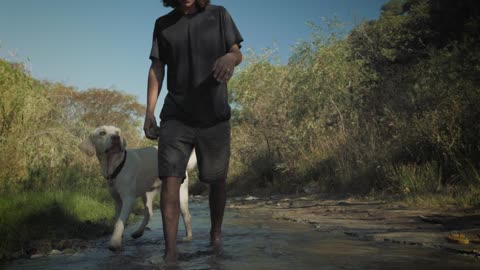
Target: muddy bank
{"points": [[87, 238], [372, 220], [46, 247]]}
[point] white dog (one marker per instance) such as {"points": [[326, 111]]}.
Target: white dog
{"points": [[131, 173]]}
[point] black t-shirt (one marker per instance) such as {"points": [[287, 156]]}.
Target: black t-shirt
{"points": [[189, 45]]}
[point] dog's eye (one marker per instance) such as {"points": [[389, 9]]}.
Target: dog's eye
{"points": [[102, 133]]}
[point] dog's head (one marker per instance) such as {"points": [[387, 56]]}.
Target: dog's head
{"points": [[104, 139]]}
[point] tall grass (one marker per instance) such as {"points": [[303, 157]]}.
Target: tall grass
{"points": [[52, 215]]}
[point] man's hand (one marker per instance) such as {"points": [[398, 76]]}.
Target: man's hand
{"points": [[150, 127], [155, 79], [223, 67]]}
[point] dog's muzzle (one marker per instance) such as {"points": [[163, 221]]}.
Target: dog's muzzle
{"points": [[116, 145]]}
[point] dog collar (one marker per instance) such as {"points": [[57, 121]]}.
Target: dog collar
{"points": [[117, 170]]}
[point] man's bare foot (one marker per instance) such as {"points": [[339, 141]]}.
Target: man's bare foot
{"points": [[215, 238], [170, 259]]}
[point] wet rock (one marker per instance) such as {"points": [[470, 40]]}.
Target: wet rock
{"points": [[157, 260], [69, 243], [39, 247], [375, 220], [275, 197], [69, 251], [432, 220], [18, 255], [354, 234], [82, 244], [61, 244], [411, 238], [55, 252], [311, 188], [197, 198]]}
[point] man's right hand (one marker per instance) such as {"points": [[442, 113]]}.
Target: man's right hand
{"points": [[150, 127]]}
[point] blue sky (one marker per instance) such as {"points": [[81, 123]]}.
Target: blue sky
{"points": [[106, 43]]}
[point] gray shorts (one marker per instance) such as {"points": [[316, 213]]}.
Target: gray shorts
{"points": [[212, 147]]}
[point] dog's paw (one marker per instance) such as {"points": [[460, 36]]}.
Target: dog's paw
{"points": [[137, 234], [187, 238], [115, 247]]}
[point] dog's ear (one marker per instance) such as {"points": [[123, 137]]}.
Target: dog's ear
{"points": [[87, 147]]}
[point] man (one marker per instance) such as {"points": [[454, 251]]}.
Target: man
{"points": [[200, 45]]}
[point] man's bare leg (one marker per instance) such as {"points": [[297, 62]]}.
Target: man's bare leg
{"points": [[170, 206], [217, 199]]}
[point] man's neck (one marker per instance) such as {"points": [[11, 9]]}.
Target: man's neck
{"points": [[189, 10]]}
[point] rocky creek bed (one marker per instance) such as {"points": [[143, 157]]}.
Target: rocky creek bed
{"points": [[373, 220], [284, 232]]}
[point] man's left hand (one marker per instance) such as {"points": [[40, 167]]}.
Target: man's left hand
{"points": [[223, 67]]}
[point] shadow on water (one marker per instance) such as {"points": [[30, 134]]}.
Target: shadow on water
{"points": [[252, 241]]}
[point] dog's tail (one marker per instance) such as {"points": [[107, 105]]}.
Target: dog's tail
{"points": [[192, 162]]}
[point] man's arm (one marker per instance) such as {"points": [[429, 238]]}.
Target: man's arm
{"points": [[224, 66], [155, 80], [235, 51]]}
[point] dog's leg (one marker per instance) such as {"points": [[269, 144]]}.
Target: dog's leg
{"points": [[118, 204], [187, 218], [149, 204], [146, 218], [116, 240], [118, 208]]}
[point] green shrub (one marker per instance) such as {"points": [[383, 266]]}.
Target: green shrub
{"points": [[52, 215], [393, 106]]}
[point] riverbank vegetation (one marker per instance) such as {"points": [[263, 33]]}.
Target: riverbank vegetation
{"points": [[48, 188], [388, 108], [54, 215]]}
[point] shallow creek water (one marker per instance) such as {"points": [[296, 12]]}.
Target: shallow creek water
{"points": [[252, 241]]}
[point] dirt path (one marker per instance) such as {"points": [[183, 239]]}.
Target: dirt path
{"points": [[373, 220]]}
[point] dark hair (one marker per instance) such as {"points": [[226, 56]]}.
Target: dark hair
{"points": [[174, 3]]}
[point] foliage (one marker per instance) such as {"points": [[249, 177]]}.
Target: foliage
{"points": [[53, 215], [49, 188], [391, 107], [42, 123]]}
